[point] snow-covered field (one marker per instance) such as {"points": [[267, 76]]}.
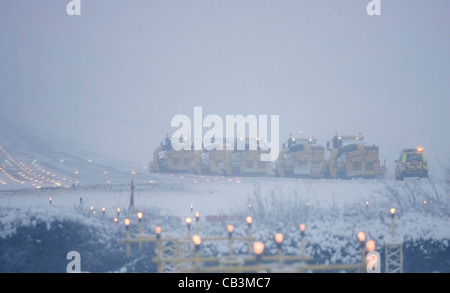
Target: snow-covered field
{"points": [[35, 235], [333, 211]]}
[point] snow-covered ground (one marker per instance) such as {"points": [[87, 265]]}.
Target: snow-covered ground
{"points": [[334, 211]]}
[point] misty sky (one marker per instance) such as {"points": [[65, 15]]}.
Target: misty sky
{"points": [[113, 78]]}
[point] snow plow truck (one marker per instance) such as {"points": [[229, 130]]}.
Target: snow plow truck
{"points": [[301, 157], [166, 159], [241, 160], [350, 157]]}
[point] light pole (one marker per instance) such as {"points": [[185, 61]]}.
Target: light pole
{"points": [[197, 241], [230, 239], [140, 215], [249, 232], [279, 240], [197, 218], [159, 251], [392, 221], [188, 226], [362, 238], [302, 236], [127, 229]]}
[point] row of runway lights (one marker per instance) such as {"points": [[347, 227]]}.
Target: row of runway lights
{"points": [[28, 173], [258, 247]]}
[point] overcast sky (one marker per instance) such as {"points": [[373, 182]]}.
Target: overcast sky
{"points": [[113, 78]]}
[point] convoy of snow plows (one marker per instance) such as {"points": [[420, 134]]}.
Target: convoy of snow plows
{"points": [[349, 157]]}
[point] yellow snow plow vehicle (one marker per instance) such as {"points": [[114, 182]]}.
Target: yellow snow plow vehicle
{"points": [[350, 157], [215, 161], [245, 161], [240, 160], [302, 157], [412, 163], [166, 159]]}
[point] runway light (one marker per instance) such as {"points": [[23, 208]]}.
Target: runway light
{"points": [[278, 238], [302, 227], [361, 236], [258, 248], [392, 211], [370, 245], [197, 240], [188, 222]]}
